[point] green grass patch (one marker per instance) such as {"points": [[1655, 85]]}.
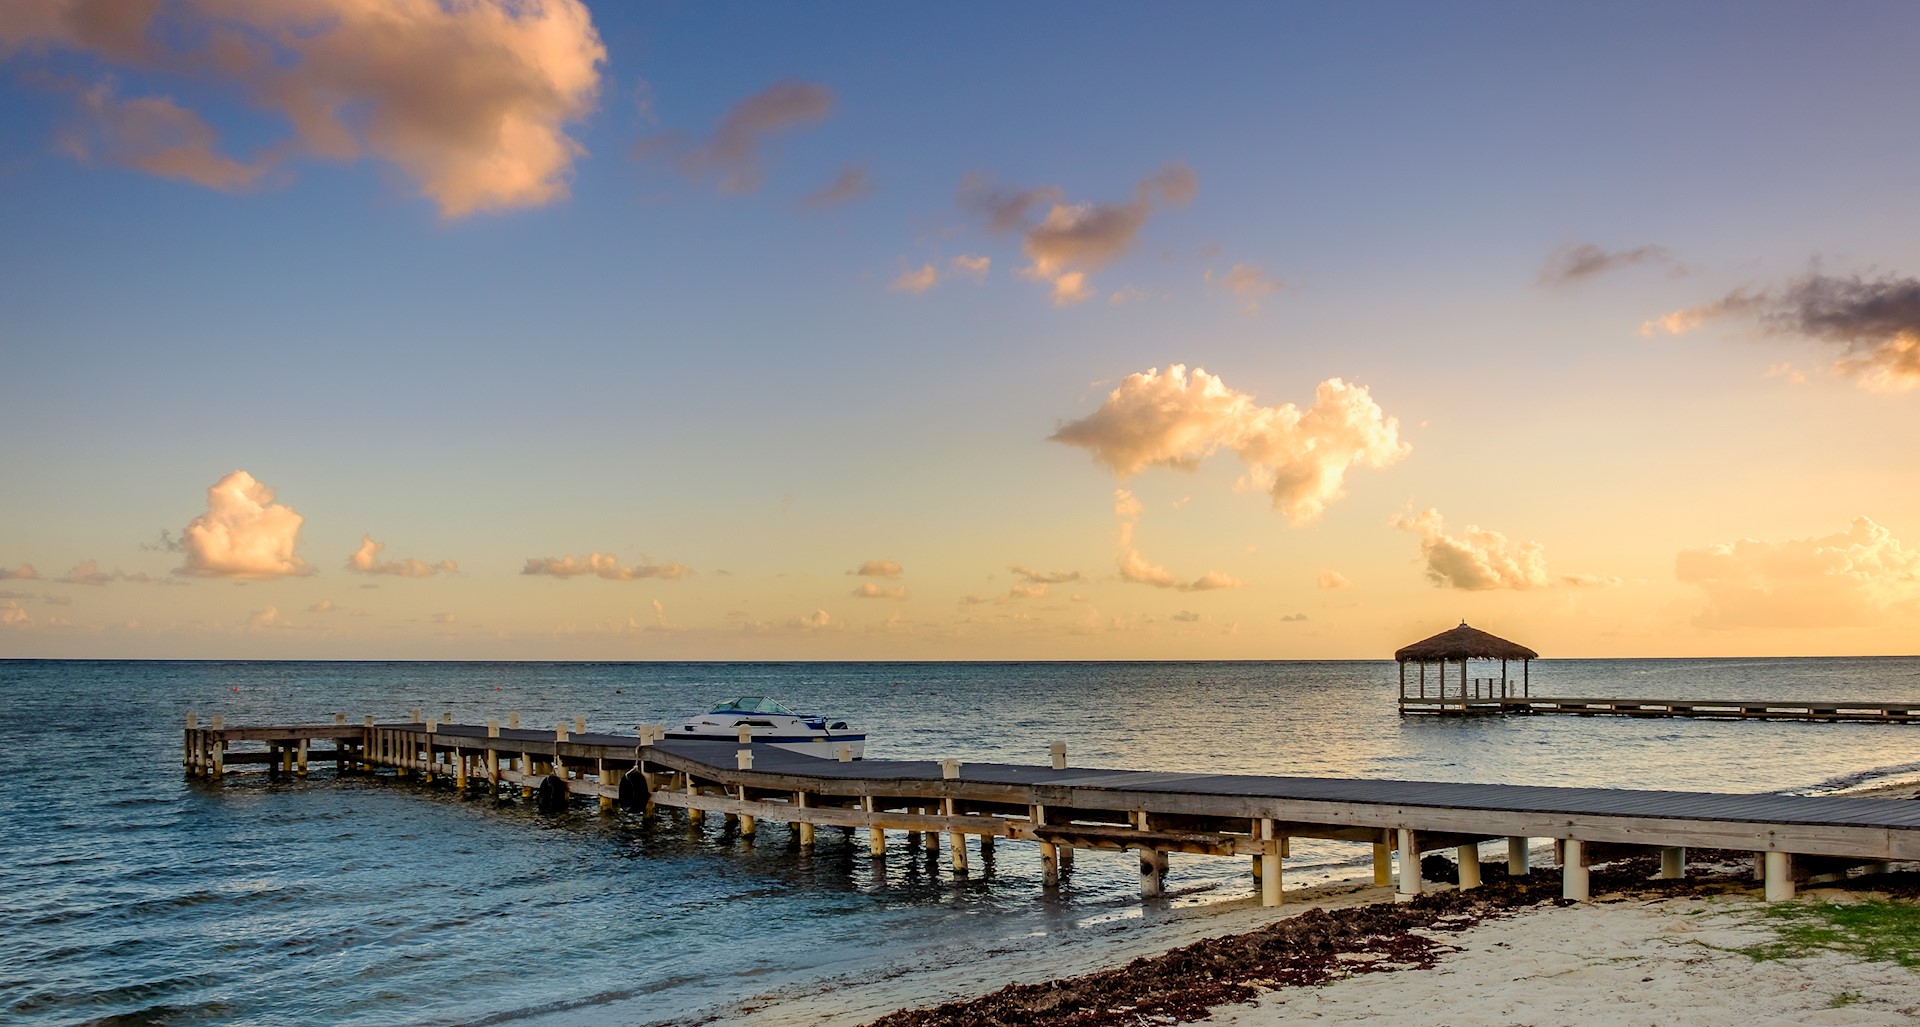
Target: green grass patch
{"points": [[1882, 932]]}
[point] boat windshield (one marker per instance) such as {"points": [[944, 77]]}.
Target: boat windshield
{"points": [[752, 704]]}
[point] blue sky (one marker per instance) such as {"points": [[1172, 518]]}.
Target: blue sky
{"points": [[649, 365]]}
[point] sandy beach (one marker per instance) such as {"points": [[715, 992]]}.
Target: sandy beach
{"points": [[1654, 954]]}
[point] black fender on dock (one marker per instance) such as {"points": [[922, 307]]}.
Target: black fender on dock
{"points": [[552, 796], [633, 791]]}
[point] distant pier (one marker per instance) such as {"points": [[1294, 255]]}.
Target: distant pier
{"points": [[1461, 695], [1062, 808]]}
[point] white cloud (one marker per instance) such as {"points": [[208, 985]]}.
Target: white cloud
{"points": [[471, 100], [875, 590], [1300, 458], [1851, 578], [1334, 580], [267, 619], [604, 565], [366, 560], [1137, 569], [1031, 576], [13, 616], [1477, 560], [243, 535]]}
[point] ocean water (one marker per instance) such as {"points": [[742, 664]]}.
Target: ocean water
{"points": [[131, 894]]}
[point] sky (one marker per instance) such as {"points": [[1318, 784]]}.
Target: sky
{"points": [[475, 329]]}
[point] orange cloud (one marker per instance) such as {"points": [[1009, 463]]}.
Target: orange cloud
{"points": [[604, 565], [1851, 578], [1334, 580], [1249, 282], [366, 560], [243, 535], [1135, 568], [24, 572], [852, 183], [1069, 241], [88, 572], [878, 569], [1300, 458], [471, 100], [1478, 560], [916, 280], [875, 590], [732, 153], [1033, 577], [969, 266]]}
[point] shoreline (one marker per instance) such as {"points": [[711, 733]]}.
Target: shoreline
{"points": [[1463, 957]]}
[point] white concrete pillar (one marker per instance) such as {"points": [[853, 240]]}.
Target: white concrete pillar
{"points": [[1270, 868], [1573, 870], [744, 759], [1469, 858], [1409, 866], [1779, 867], [1673, 862], [1150, 887], [1518, 856]]}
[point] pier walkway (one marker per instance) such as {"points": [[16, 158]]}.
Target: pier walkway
{"points": [[1063, 808], [1483, 698]]}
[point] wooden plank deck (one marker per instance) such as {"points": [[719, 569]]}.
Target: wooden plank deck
{"points": [[1063, 808]]}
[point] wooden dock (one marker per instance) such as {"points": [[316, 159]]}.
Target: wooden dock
{"points": [[1492, 701], [1062, 809]]}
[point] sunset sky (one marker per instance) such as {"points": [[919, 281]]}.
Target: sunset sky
{"points": [[451, 329]]}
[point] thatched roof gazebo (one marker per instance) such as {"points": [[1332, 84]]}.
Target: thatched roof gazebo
{"points": [[1459, 645]]}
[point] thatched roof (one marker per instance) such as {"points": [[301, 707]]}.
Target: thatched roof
{"points": [[1463, 643]]}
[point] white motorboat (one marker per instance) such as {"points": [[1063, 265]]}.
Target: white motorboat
{"points": [[769, 723]]}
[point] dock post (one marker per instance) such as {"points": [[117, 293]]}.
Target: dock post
{"points": [[876, 836], [1469, 859], [606, 780], [1150, 885], [1049, 865], [1383, 860], [1409, 866], [1517, 856], [513, 721], [1779, 867], [695, 817], [366, 743], [413, 715], [302, 768], [1059, 755], [218, 743], [493, 761], [747, 823], [1573, 870], [1673, 862], [186, 749], [1269, 865], [844, 753], [460, 772], [803, 827], [579, 725]]}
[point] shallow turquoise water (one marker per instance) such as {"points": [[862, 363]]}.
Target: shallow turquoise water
{"points": [[133, 895]]}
